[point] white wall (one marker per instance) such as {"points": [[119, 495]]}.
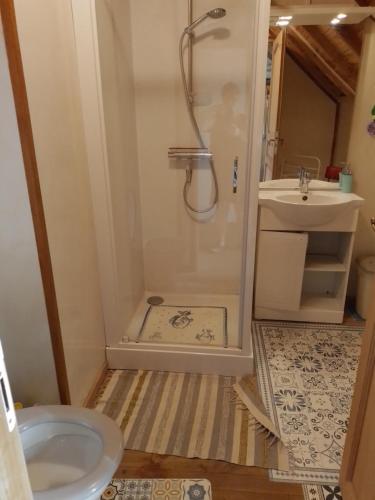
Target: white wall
{"points": [[116, 70], [47, 45], [24, 329], [362, 146], [181, 254]]}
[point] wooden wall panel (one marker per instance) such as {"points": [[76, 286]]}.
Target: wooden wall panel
{"points": [[14, 481]]}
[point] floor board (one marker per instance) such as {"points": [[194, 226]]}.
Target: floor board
{"points": [[229, 481]]}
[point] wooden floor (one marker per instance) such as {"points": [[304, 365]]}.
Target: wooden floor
{"points": [[229, 481]]}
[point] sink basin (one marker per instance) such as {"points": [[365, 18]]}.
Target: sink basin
{"points": [[289, 184], [307, 199], [313, 209]]}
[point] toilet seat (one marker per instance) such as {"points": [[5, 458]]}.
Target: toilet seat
{"points": [[74, 450]]}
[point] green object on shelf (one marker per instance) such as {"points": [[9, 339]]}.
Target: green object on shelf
{"points": [[346, 183]]}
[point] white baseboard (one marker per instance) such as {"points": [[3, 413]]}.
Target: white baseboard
{"points": [[178, 361], [305, 315]]}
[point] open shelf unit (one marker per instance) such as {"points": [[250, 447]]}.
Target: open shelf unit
{"points": [[326, 271]]}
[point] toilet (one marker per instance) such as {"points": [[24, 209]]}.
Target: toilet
{"points": [[71, 453]]}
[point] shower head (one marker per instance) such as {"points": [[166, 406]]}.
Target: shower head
{"points": [[217, 13], [214, 14]]}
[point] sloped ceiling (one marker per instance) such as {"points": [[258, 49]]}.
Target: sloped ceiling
{"points": [[329, 55], [366, 3]]}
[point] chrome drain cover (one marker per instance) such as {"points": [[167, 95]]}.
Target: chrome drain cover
{"points": [[155, 300]]}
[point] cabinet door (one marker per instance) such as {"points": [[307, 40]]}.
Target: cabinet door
{"points": [[280, 267]]}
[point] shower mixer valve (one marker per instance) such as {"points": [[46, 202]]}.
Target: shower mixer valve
{"points": [[189, 154]]}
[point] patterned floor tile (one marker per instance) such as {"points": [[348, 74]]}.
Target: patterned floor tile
{"points": [[158, 489], [321, 492], [307, 374]]}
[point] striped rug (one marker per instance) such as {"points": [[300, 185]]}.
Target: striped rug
{"points": [[189, 415]]}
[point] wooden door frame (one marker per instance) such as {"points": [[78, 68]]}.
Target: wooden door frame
{"points": [[362, 388], [8, 18], [284, 33]]}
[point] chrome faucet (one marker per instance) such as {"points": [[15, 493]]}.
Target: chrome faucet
{"points": [[304, 179], [301, 175]]}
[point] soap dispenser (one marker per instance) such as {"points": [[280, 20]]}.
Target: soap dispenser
{"points": [[346, 179]]}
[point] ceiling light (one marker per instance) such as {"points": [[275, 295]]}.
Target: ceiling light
{"points": [[283, 23], [335, 20], [287, 18], [341, 16]]}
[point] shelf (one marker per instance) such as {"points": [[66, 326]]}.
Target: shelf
{"points": [[320, 302], [314, 308], [324, 263]]}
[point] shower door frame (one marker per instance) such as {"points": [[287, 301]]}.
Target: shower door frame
{"points": [[231, 360]]}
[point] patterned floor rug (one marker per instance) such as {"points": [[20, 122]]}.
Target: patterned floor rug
{"points": [[189, 415], [158, 489], [319, 492], [185, 324], [306, 374]]}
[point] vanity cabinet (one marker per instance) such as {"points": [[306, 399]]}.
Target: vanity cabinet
{"points": [[302, 274]]}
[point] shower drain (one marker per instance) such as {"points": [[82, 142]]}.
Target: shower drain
{"points": [[155, 300]]}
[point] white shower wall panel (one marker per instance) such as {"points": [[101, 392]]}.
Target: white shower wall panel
{"points": [[116, 69]]}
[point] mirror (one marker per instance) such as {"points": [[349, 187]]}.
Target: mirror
{"points": [[312, 76]]}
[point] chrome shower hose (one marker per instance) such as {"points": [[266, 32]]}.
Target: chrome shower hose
{"points": [[190, 108]]}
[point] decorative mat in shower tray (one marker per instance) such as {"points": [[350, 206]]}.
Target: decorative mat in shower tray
{"points": [[158, 489], [196, 325], [306, 374], [191, 415]]}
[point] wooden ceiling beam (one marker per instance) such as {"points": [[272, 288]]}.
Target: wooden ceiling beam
{"points": [[342, 41], [311, 70], [337, 59], [273, 32], [352, 34], [365, 3], [325, 64]]}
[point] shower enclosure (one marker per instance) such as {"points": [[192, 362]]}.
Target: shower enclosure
{"points": [[168, 90]]}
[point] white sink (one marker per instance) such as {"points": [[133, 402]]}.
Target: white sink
{"points": [[313, 209], [289, 184]]}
